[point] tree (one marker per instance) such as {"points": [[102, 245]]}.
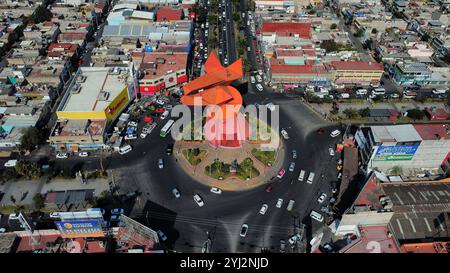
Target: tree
{"points": [[333, 26], [31, 138], [41, 14], [364, 112], [29, 170], [329, 45], [39, 201], [396, 170], [350, 113], [374, 31], [236, 17], [415, 114]]}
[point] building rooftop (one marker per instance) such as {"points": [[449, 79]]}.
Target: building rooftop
{"points": [[373, 236], [79, 128], [395, 133], [287, 29], [421, 209], [157, 64], [168, 14], [433, 131], [94, 88], [356, 65], [434, 247]]}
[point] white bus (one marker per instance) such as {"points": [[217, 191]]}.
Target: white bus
{"points": [[166, 129]]}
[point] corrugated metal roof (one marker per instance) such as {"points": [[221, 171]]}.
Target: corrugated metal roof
{"points": [[395, 133]]}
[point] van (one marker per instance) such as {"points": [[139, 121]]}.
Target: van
{"points": [[335, 133], [310, 178], [316, 216], [301, 175], [125, 149], [290, 205]]}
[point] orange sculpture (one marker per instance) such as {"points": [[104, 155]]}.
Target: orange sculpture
{"points": [[214, 88]]}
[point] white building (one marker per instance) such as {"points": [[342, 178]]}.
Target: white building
{"points": [[413, 148]]}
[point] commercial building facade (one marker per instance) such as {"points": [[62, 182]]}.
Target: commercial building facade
{"points": [[412, 148]]}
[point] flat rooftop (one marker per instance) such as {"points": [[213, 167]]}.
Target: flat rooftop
{"points": [[79, 128], [94, 82], [421, 209], [370, 234], [395, 133]]}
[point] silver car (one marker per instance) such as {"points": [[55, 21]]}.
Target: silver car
{"points": [[176, 193], [292, 166]]}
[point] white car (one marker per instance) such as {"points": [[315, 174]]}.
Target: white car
{"points": [[259, 87], [132, 124], [125, 149], [258, 78], [161, 235], [252, 79], [160, 102], [292, 166], [244, 230], [331, 151], [130, 137], [62, 155], [284, 134], [263, 209], [335, 133], [143, 135], [83, 154], [271, 106], [279, 203], [160, 163], [54, 215], [216, 190], [322, 198], [176, 192], [198, 200], [11, 163]]}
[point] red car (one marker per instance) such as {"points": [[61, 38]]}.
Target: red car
{"points": [[281, 173], [320, 131], [148, 119], [269, 188], [160, 110]]}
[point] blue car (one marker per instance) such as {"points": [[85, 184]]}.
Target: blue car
{"points": [[117, 211]]}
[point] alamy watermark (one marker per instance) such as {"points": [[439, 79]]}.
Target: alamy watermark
{"points": [[227, 122]]}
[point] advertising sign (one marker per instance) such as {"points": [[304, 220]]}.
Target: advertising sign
{"points": [[80, 228], [117, 105], [395, 153]]}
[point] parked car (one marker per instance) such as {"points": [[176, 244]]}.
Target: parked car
{"points": [[279, 203], [263, 209], [322, 198], [62, 155], [117, 211], [281, 173], [252, 79], [244, 229], [114, 218], [132, 124], [161, 235], [83, 154], [54, 215], [160, 163], [199, 200], [176, 193]]}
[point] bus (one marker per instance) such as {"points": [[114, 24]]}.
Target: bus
{"points": [[166, 129]]}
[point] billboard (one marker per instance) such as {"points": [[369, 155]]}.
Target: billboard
{"points": [[117, 105], [395, 153], [80, 228]]}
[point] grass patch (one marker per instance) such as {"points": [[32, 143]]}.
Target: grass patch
{"points": [[8, 209], [194, 156], [266, 157]]}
